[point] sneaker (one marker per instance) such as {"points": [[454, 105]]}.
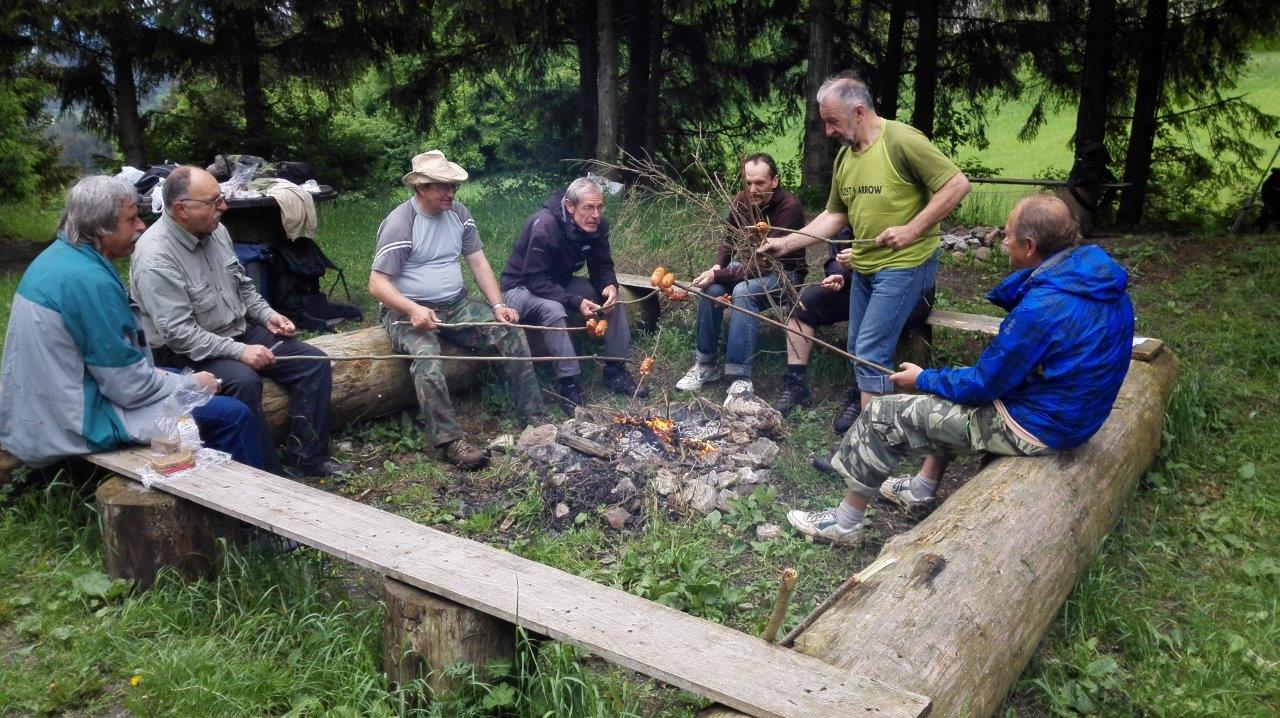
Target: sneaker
{"points": [[621, 382], [465, 455], [822, 525], [849, 414], [898, 490], [569, 394], [697, 376], [323, 470], [740, 387], [794, 393]]}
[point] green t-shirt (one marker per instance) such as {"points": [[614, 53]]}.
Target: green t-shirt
{"points": [[887, 185]]}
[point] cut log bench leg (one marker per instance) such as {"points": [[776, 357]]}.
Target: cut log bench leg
{"points": [[423, 634], [144, 531]]}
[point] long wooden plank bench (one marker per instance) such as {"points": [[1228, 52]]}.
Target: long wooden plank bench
{"points": [[705, 658]]}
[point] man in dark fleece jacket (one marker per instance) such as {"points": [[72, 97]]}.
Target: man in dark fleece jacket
{"points": [[754, 281], [567, 234], [1045, 384]]}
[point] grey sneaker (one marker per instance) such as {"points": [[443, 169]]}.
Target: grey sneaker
{"points": [[698, 375], [898, 490], [822, 525]]}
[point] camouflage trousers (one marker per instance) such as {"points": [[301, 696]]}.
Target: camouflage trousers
{"points": [[896, 426], [428, 375]]}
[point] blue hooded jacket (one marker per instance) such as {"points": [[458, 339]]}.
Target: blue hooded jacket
{"points": [[1061, 353]]}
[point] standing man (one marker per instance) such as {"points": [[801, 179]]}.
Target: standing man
{"points": [[201, 311], [417, 277], [1045, 383], [892, 186], [756, 281], [570, 232], [78, 376]]}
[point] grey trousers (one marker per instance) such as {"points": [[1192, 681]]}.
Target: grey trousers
{"points": [[545, 312]]}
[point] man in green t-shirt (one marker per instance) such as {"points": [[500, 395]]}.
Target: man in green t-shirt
{"points": [[892, 187]]}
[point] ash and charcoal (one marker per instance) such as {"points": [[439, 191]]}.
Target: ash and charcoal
{"points": [[688, 457]]}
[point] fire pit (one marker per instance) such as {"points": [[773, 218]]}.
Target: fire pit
{"points": [[695, 456]]}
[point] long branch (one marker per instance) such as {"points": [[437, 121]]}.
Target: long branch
{"points": [[450, 357]]}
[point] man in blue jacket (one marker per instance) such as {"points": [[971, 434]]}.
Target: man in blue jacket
{"points": [[1045, 384]]}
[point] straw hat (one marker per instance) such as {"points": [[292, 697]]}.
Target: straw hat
{"points": [[433, 167]]}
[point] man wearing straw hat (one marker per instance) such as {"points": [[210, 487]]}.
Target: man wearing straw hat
{"points": [[418, 279]]}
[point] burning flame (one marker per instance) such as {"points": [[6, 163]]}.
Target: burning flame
{"points": [[664, 429]]}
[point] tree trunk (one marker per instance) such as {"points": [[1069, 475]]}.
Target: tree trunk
{"points": [[639, 45], [588, 61], [423, 634], [607, 85], [1095, 81], [974, 587], [256, 127], [128, 123], [926, 76], [815, 173], [653, 118], [144, 531], [1146, 107], [891, 70]]}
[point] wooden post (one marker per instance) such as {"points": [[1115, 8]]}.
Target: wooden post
{"points": [[144, 531], [423, 633]]}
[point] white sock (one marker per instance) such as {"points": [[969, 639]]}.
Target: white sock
{"points": [[923, 487], [847, 516]]}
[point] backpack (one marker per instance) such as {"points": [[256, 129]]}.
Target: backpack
{"points": [[296, 269]]}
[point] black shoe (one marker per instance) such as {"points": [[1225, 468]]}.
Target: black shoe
{"points": [[322, 470], [849, 414], [620, 381], [795, 392], [569, 394], [823, 464]]}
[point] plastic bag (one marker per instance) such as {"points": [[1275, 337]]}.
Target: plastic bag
{"points": [[174, 429], [240, 178]]}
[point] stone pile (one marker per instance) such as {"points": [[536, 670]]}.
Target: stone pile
{"points": [[978, 241], [694, 456]]}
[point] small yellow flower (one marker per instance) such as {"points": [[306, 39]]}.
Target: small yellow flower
{"points": [[135, 681]]}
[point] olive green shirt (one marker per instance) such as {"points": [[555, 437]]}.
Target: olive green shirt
{"points": [[887, 185], [193, 293]]}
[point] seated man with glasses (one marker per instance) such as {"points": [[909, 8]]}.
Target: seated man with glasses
{"points": [[200, 310], [417, 276]]}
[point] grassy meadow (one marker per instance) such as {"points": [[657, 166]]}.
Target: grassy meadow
{"points": [[1176, 616]]}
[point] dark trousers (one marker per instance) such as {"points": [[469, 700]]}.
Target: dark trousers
{"points": [[308, 383]]}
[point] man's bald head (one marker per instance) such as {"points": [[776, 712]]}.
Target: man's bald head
{"points": [[1045, 220], [193, 199]]}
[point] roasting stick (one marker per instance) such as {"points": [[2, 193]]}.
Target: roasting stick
{"points": [[443, 357], [690, 289]]}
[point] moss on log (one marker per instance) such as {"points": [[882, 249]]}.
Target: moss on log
{"points": [[976, 584]]}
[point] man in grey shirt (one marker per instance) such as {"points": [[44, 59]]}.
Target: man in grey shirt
{"points": [[417, 277], [199, 310]]}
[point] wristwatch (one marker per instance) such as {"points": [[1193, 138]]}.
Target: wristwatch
{"points": [[498, 306]]}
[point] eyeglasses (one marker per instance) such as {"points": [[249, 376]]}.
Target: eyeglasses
{"points": [[220, 199], [445, 187]]}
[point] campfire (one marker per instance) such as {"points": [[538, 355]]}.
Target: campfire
{"points": [[694, 457]]}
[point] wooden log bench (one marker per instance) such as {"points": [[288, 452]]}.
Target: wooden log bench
{"points": [[460, 576]]}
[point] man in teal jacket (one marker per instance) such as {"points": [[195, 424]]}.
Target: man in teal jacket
{"points": [[77, 375]]}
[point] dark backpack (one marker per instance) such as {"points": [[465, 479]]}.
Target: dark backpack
{"points": [[296, 269], [1090, 170]]}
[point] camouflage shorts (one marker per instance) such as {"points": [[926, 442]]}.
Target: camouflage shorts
{"points": [[428, 376], [896, 426]]}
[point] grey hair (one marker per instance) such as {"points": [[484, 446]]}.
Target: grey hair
{"points": [[583, 185], [176, 185], [1047, 220], [93, 209], [850, 91]]}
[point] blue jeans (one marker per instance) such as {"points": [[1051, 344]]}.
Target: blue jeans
{"points": [[879, 306], [226, 424], [757, 295]]}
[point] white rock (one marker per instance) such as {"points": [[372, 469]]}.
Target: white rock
{"points": [[723, 498], [625, 486], [616, 517], [982, 254], [763, 452], [768, 532], [666, 482], [537, 436], [699, 496], [562, 510], [503, 443]]}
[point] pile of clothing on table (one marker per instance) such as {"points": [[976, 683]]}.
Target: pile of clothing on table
{"points": [[288, 273]]}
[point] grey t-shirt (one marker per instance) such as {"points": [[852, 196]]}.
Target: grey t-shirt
{"points": [[420, 252]]}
